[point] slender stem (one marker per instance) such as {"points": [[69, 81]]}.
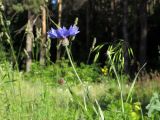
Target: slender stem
{"points": [[100, 110], [88, 56], [118, 80], [91, 49], [9, 40], [73, 64], [133, 84]]}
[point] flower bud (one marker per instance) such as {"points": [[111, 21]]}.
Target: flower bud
{"points": [[65, 42]]}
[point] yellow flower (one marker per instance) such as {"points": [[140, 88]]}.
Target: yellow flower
{"points": [[104, 70], [137, 106]]}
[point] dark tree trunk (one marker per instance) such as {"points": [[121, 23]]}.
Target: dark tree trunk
{"points": [[134, 38], [125, 36], [87, 24], [114, 19], [143, 36]]}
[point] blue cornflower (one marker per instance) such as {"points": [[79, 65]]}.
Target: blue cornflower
{"points": [[73, 30], [62, 33]]}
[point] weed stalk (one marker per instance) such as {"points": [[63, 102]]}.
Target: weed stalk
{"points": [[72, 64], [118, 80]]}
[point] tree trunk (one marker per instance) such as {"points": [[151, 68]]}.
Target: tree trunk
{"points": [[43, 40], [143, 37], [87, 25], [114, 20], [135, 38], [59, 23], [29, 40], [59, 12], [125, 35]]}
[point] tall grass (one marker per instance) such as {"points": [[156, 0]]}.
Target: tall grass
{"points": [[22, 99]]}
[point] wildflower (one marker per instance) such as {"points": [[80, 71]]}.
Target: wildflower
{"points": [[137, 106], [62, 33], [104, 70]]}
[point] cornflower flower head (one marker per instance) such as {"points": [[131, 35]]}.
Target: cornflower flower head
{"points": [[63, 33]]}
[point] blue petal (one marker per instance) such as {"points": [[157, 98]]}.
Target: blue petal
{"points": [[62, 33], [73, 30], [52, 33]]}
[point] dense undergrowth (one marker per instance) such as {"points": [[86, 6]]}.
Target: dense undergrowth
{"points": [[39, 95]]}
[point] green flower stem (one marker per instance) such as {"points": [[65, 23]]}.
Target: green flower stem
{"points": [[73, 64], [118, 80], [99, 108]]}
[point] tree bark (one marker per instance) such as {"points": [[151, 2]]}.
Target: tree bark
{"points": [[43, 40], [29, 40], [114, 21], [59, 12], [125, 35], [87, 25], [59, 23], [143, 37]]}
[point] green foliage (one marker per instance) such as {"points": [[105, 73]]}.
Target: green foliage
{"points": [[154, 107], [33, 5], [6, 39], [23, 99], [18, 7], [3, 53], [132, 111], [4, 36], [62, 69], [89, 73], [116, 52], [95, 49]]}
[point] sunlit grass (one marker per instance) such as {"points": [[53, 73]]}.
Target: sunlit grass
{"points": [[28, 100], [32, 97]]}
